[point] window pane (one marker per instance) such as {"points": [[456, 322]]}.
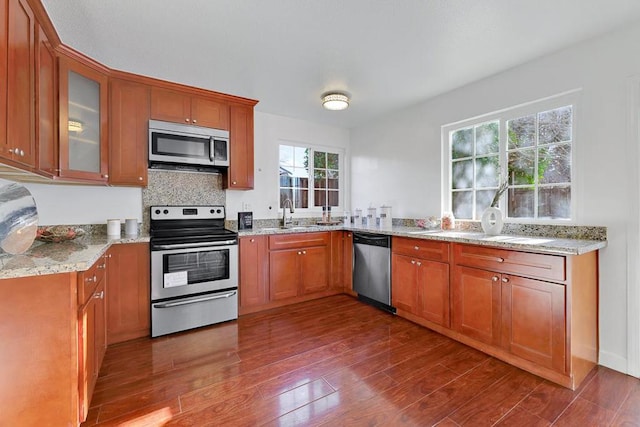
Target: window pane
{"points": [[286, 180], [462, 204], [521, 202], [554, 164], [333, 198], [319, 159], [555, 125], [333, 161], [462, 174], [319, 198], [320, 179], [554, 202], [462, 143], [301, 157], [522, 132], [286, 155], [521, 168], [487, 136], [487, 171], [285, 193], [301, 182], [483, 201], [302, 198]]}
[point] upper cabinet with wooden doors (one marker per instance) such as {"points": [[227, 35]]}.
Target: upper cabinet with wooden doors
{"points": [[129, 131], [182, 107], [46, 98], [17, 121], [240, 173], [83, 95]]}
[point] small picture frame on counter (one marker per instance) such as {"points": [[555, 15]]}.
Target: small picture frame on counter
{"points": [[245, 220]]}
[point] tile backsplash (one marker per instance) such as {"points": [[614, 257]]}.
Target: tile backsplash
{"points": [[180, 188]]}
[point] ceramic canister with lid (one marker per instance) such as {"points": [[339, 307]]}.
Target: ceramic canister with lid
{"points": [[385, 217]]}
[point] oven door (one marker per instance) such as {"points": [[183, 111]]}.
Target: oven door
{"points": [[179, 271]]}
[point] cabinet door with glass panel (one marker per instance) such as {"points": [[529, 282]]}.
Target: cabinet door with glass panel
{"points": [[83, 121]]}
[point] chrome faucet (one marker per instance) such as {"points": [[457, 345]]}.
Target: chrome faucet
{"points": [[286, 222]]}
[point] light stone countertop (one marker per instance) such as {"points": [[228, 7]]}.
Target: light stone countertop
{"points": [[538, 244], [78, 255], [52, 258]]}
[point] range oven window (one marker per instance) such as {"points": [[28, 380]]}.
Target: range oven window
{"points": [[202, 266]]}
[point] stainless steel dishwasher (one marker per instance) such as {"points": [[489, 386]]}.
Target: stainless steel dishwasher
{"points": [[372, 269]]}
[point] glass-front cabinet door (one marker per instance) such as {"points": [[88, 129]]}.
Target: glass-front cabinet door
{"points": [[83, 122]]}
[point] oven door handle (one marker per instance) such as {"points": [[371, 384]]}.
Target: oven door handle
{"points": [[193, 301], [195, 245]]}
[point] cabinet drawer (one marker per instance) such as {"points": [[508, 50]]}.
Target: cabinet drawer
{"points": [[551, 267], [420, 248], [87, 280], [298, 240]]}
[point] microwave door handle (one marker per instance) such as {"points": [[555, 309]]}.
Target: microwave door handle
{"points": [[212, 149]]}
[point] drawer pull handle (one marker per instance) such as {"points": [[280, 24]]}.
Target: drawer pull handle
{"points": [[495, 278], [505, 280]]}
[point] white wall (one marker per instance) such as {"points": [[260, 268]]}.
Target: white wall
{"points": [[269, 130], [84, 204], [398, 160]]}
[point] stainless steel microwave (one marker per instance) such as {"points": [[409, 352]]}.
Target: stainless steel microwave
{"points": [[178, 146]]}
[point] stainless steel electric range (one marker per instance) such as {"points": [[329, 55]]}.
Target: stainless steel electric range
{"points": [[194, 268]]}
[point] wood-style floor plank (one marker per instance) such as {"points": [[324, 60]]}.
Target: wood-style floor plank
{"points": [[336, 361]]}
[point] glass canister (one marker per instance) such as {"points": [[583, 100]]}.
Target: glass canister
{"points": [[357, 218], [385, 217], [448, 221], [371, 217]]}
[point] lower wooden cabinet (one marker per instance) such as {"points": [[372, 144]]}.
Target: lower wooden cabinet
{"points": [[128, 302], [300, 271], [347, 260], [253, 277], [420, 280]]}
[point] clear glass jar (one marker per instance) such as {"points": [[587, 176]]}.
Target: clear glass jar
{"points": [[448, 221]]}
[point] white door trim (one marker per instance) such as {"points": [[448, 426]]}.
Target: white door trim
{"points": [[633, 228]]}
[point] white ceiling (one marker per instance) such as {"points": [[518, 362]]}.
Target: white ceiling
{"points": [[387, 54]]}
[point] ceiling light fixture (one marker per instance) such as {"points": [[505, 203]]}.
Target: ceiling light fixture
{"points": [[335, 101], [75, 126]]}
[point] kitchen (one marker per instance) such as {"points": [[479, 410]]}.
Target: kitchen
{"points": [[396, 174]]}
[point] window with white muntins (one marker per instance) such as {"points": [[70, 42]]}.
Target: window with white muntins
{"points": [[531, 147]]}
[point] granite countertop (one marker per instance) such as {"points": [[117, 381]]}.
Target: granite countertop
{"points": [[538, 244], [51, 258]]}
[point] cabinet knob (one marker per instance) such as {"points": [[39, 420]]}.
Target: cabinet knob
{"points": [[252, 240], [106, 175], [99, 295], [139, 178], [22, 153], [195, 121], [505, 280], [419, 263], [500, 259], [413, 262], [101, 266], [304, 252], [299, 253], [416, 247], [234, 183], [495, 278], [88, 279]]}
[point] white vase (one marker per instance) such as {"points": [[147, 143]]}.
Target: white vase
{"points": [[492, 221]]}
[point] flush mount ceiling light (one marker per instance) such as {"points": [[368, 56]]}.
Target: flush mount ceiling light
{"points": [[335, 101], [75, 126]]}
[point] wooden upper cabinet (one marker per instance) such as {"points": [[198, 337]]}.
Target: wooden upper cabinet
{"points": [[240, 174], [4, 45], [129, 122], [182, 107], [83, 121], [46, 98], [19, 137]]}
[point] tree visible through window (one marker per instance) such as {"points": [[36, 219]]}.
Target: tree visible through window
{"points": [[309, 177], [534, 151]]}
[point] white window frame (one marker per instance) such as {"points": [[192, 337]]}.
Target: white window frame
{"points": [[564, 99], [317, 210]]}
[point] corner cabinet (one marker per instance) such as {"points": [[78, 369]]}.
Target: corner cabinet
{"points": [[240, 174], [83, 124], [129, 132]]}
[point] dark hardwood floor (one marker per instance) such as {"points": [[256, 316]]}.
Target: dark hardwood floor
{"points": [[336, 361]]}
